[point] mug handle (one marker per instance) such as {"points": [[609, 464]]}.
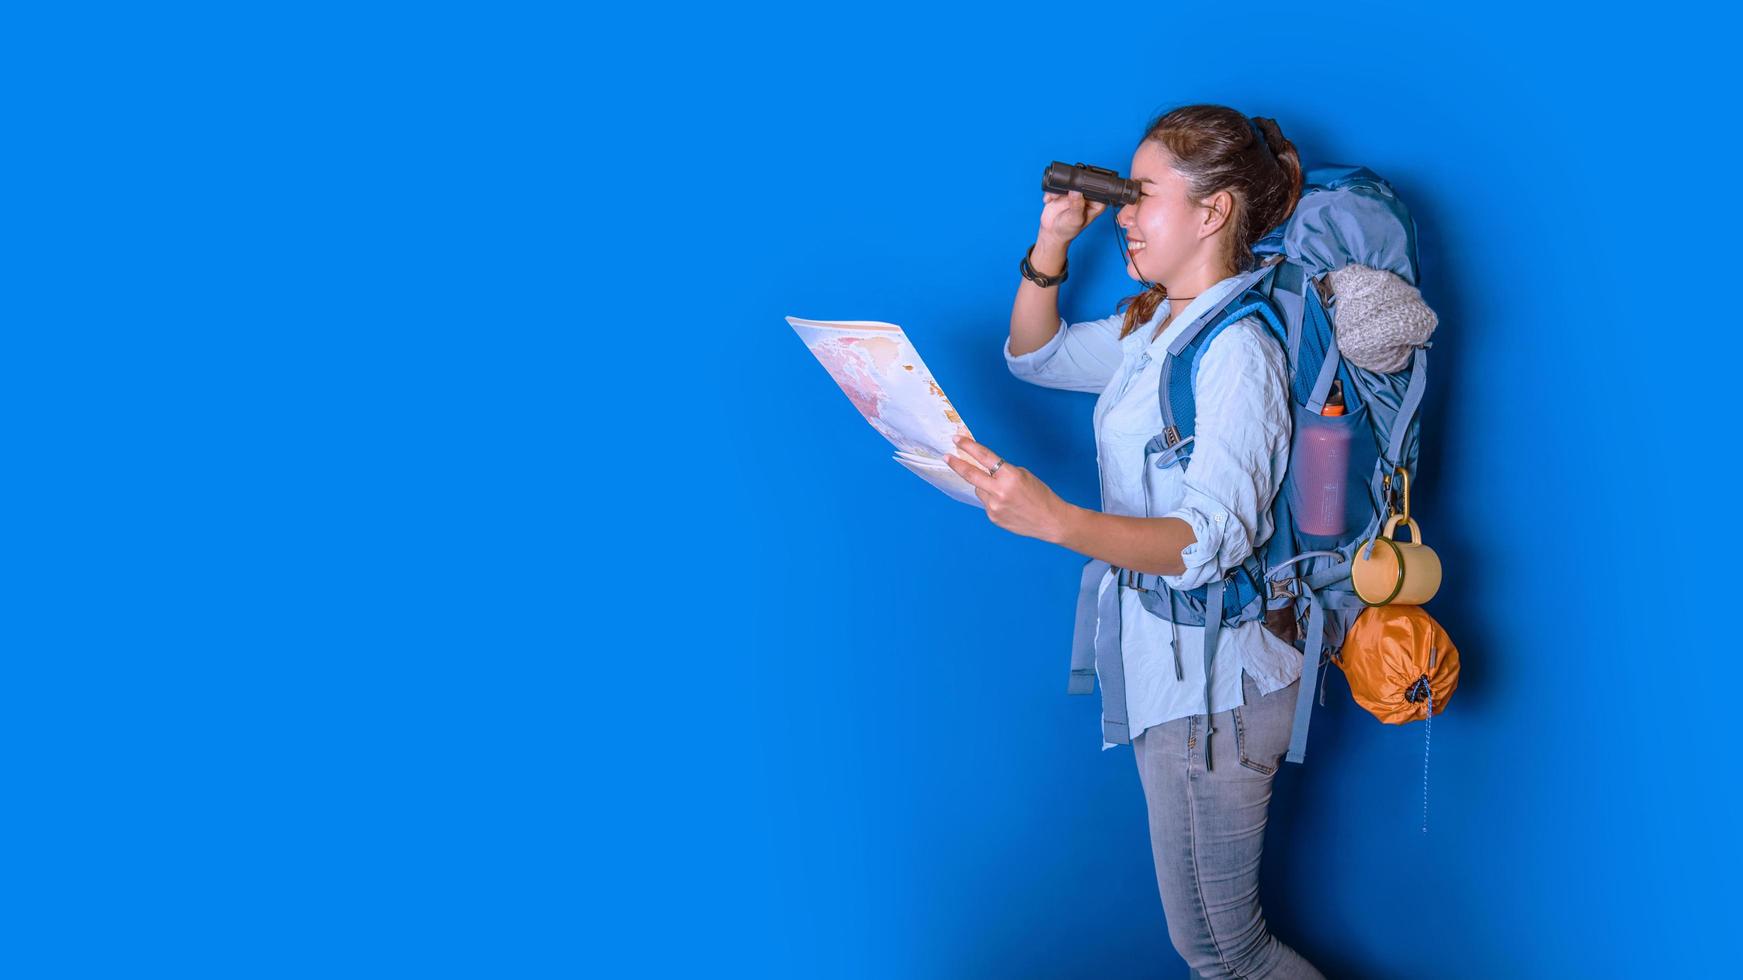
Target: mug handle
{"points": [[1392, 526]]}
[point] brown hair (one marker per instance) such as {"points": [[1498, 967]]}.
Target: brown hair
{"points": [[1215, 149]]}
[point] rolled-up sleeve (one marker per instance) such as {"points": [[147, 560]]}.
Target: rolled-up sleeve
{"points": [[1240, 452], [1079, 357]]}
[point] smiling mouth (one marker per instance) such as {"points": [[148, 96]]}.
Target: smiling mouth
{"points": [[1134, 245]]}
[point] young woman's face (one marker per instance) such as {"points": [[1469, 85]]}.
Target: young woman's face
{"points": [[1163, 229]]}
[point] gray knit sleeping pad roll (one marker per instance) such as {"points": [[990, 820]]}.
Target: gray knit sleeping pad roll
{"points": [[1380, 318]]}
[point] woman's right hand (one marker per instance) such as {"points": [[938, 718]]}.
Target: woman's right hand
{"points": [[1064, 216]]}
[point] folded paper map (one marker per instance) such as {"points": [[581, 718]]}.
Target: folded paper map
{"points": [[881, 373]]}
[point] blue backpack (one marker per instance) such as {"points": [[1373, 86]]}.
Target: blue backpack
{"points": [[1346, 216]]}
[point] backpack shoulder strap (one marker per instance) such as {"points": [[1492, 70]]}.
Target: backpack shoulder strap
{"points": [[1287, 293], [1180, 362]]}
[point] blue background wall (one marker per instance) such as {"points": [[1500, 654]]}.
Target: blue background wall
{"points": [[435, 554]]}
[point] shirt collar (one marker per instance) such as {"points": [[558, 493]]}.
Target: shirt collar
{"points": [[1139, 338]]}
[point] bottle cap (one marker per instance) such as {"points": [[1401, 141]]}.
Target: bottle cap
{"points": [[1334, 399]]}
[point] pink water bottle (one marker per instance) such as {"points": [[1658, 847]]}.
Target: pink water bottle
{"points": [[1323, 469]]}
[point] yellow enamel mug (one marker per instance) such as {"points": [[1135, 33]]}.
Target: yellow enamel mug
{"points": [[1396, 573]]}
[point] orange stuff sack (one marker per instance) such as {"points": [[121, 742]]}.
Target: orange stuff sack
{"points": [[1398, 660]]}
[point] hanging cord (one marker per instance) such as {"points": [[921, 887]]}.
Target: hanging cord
{"points": [[1127, 256], [1427, 733], [1422, 691]]}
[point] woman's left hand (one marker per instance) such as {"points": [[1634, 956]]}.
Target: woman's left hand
{"points": [[1015, 498]]}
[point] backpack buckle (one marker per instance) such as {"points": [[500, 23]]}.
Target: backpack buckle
{"points": [[1286, 588], [1130, 580], [1170, 436]]}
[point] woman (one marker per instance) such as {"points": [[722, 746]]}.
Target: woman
{"points": [[1213, 183]]}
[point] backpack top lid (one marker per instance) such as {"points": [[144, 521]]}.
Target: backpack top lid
{"points": [[1346, 216]]}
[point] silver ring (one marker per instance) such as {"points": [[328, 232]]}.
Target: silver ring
{"points": [[996, 466]]}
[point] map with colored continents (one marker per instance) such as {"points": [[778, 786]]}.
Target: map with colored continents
{"points": [[881, 373]]}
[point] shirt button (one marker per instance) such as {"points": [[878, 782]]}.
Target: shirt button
{"points": [[1221, 516]]}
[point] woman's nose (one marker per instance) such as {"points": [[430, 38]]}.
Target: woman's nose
{"points": [[1123, 217]]}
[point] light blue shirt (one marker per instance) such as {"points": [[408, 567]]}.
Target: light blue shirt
{"points": [[1225, 493]]}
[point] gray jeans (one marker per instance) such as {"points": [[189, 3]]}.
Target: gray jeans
{"points": [[1207, 831]]}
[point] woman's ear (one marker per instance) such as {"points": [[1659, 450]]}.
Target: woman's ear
{"points": [[1218, 208]]}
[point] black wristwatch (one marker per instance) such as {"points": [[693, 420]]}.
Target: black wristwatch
{"points": [[1037, 278]]}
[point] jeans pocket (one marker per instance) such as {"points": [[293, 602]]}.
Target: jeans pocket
{"points": [[1242, 738], [1262, 726]]}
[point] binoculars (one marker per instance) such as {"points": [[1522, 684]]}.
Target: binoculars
{"points": [[1095, 183]]}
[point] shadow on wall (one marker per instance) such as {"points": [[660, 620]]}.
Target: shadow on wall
{"points": [[1309, 822], [1443, 287]]}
